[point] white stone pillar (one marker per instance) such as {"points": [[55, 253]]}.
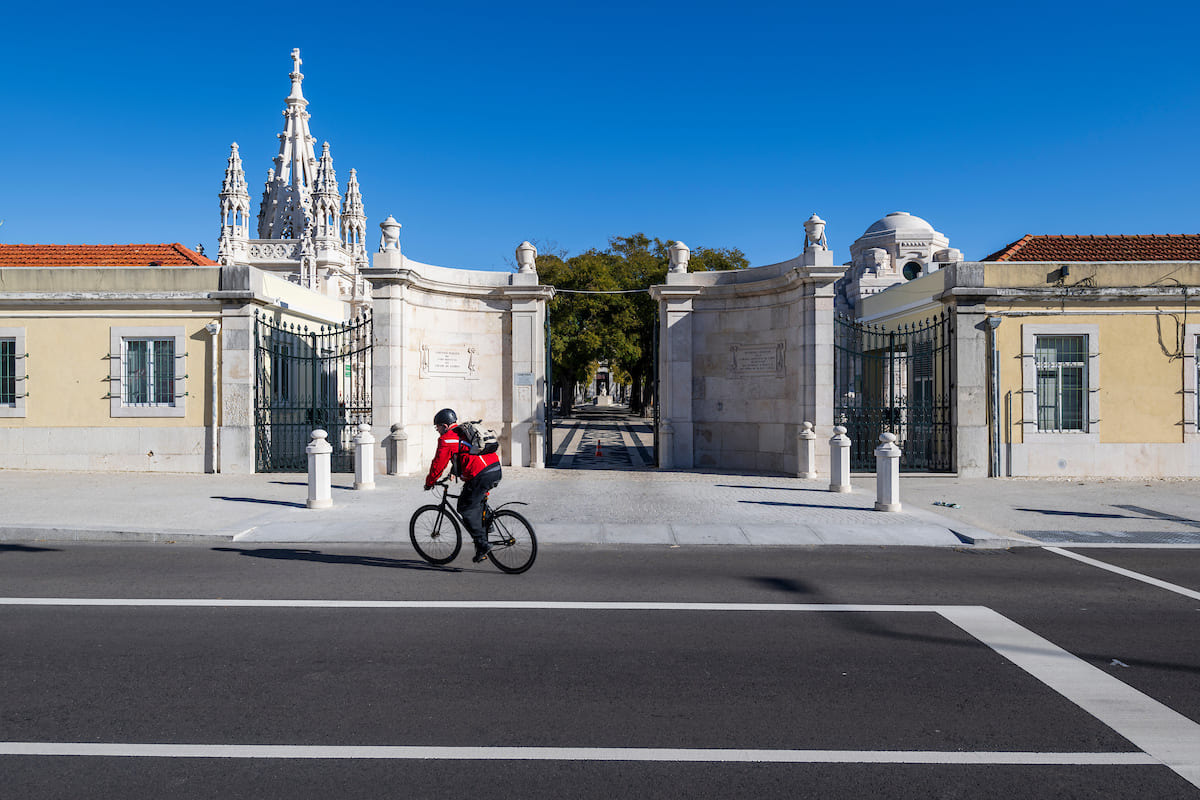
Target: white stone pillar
{"points": [[390, 284], [527, 366], [839, 461], [806, 448], [320, 490], [887, 474], [675, 348], [364, 458], [236, 433]]}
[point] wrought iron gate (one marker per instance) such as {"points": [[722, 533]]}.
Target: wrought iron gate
{"points": [[305, 380], [898, 380]]}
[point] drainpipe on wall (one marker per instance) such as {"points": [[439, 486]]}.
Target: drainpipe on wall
{"points": [[214, 439], [993, 323]]}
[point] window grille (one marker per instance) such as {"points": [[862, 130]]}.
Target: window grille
{"points": [[149, 372], [1061, 363], [8, 371]]}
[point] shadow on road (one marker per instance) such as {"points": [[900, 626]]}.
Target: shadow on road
{"points": [[292, 554], [24, 548]]}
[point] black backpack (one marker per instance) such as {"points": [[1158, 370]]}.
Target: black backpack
{"points": [[474, 440]]}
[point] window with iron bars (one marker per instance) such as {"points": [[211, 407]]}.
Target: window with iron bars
{"points": [[1062, 363], [149, 374], [8, 371]]}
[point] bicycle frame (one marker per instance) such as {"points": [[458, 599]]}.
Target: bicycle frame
{"points": [[487, 508]]}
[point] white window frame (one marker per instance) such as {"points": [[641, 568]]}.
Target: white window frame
{"points": [[1191, 382], [117, 346], [1029, 410], [17, 407]]}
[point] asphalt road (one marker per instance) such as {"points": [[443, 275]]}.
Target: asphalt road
{"points": [[582, 683]]}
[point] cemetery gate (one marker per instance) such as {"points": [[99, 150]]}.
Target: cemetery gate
{"points": [[898, 380], [305, 380]]}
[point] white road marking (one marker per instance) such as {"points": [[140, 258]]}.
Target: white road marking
{"points": [[514, 605], [1156, 729], [1137, 576], [1165, 736], [570, 754]]}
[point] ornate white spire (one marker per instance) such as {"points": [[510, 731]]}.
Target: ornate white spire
{"points": [[327, 201], [235, 211], [286, 211], [354, 221]]}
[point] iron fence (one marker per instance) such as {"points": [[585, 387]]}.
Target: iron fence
{"points": [[305, 380], [897, 379]]}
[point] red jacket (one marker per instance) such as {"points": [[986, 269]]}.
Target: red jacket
{"points": [[449, 446]]}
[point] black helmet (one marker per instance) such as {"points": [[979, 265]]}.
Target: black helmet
{"points": [[445, 417]]}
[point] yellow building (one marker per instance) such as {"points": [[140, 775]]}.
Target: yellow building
{"points": [[1073, 355], [138, 357]]}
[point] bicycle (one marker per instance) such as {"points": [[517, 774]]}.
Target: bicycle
{"points": [[436, 533]]}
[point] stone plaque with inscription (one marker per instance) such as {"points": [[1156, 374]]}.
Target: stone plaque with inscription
{"points": [[448, 361], [755, 360]]}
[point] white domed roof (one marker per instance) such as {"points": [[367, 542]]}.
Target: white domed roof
{"points": [[900, 221]]}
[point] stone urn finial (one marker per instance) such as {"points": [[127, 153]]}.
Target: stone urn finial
{"points": [[814, 233], [390, 240], [526, 257], [680, 255]]}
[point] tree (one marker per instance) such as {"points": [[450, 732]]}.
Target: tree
{"points": [[618, 328]]}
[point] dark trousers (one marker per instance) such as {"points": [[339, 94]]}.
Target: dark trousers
{"points": [[470, 502]]}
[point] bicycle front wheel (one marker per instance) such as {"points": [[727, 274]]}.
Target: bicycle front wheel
{"points": [[435, 535], [514, 547]]}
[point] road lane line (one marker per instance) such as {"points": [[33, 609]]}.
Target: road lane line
{"points": [[1155, 728], [185, 602], [1137, 576], [112, 750]]}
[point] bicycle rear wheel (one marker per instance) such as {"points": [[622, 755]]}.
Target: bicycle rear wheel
{"points": [[514, 547], [435, 535]]}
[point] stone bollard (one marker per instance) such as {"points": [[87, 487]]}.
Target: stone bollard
{"points": [[320, 492], [537, 446], [839, 461], [887, 474], [806, 451], [364, 458], [397, 450]]}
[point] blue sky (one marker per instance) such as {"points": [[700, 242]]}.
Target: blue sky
{"points": [[478, 125]]}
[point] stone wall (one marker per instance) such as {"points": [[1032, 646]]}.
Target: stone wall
{"points": [[463, 339], [744, 360]]}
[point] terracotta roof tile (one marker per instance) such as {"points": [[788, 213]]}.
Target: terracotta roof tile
{"points": [[100, 255], [1147, 247]]}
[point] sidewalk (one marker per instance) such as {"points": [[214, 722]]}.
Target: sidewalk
{"points": [[599, 506], [602, 490], [580, 506]]}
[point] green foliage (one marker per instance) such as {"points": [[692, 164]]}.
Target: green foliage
{"points": [[617, 328]]}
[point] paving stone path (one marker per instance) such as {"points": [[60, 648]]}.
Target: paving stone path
{"points": [[603, 438]]}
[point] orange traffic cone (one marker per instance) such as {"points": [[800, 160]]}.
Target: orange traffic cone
{"points": [[597, 448]]}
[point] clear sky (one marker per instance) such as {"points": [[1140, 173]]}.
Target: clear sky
{"points": [[724, 124]]}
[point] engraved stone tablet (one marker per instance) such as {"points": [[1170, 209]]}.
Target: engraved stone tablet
{"points": [[752, 360], [447, 361]]}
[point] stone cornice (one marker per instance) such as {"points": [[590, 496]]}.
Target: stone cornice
{"points": [[412, 279], [793, 278], [1073, 294]]}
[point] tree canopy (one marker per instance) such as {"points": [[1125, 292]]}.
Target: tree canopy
{"points": [[586, 329]]}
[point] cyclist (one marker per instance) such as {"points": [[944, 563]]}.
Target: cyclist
{"points": [[480, 474]]}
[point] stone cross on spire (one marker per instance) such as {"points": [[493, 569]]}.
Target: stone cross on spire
{"points": [[296, 62], [286, 210]]}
